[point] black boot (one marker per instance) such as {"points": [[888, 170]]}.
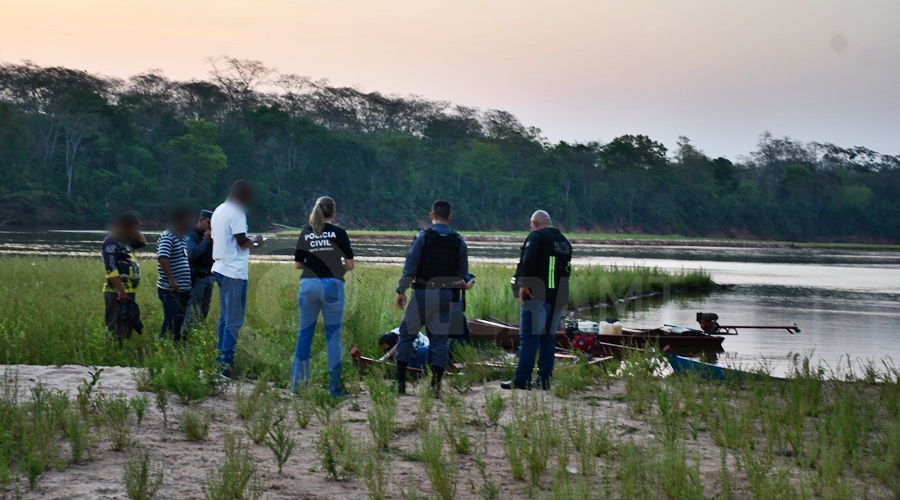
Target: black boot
{"points": [[401, 377], [437, 373]]}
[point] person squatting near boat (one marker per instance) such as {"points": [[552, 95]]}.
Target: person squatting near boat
{"points": [[435, 269], [174, 283], [421, 348], [541, 282], [231, 252], [123, 276], [200, 258], [325, 254]]}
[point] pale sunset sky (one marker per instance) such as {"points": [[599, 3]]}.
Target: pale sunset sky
{"points": [[717, 71]]}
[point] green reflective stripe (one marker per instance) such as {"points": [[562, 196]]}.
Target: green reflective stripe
{"points": [[551, 278]]}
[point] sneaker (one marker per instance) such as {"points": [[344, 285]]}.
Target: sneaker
{"points": [[509, 385]]}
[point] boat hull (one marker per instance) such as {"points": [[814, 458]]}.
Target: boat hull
{"points": [[507, 336], [709, 371]]}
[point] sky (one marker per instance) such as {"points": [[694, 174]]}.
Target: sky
{"points": [[717, 71]]}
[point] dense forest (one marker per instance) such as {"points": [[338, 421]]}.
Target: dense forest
{"points": [[76, 147]]}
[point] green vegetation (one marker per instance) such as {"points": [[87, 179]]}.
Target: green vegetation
{"points": [[143, 476], [336, 448], [194, 424], [822, 433], [440, 464], [282, 442], [270, 334], [236, 477], [36, 426], [615, 430], [384, 405], [75, 147]]}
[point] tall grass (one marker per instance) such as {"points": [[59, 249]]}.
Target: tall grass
{"points": [[61, 299]]}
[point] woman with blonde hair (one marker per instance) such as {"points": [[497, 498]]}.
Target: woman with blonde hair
{"points": [[324, 254]]}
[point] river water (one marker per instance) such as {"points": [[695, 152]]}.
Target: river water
{"points": [[846, 302]]}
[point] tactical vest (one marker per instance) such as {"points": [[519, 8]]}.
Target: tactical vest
{"points": [[440, 256]]}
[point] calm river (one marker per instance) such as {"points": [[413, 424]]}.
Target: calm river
{"points": [[847, 302]]}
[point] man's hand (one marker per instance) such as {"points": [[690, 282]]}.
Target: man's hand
{"points": [[207, 235], [469, 284], [122, 297], [401, 300], [523, 294], [173, 286]]}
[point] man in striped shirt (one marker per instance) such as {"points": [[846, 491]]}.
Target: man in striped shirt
{"points": [[174, 284]]}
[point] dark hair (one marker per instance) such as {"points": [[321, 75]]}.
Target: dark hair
{"points": [[180, 214], [127, 219], [441, 209], [386, 341], [241, 190]]}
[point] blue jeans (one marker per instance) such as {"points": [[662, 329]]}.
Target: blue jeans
{"points": [[198, 307], [232, 304], [174, 305], [537, 334], [423, 354], [325, 295]]}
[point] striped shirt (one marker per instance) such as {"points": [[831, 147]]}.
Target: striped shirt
{"points": [[171, 246]]}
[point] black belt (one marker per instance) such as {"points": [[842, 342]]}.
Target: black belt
{"points": [[435, 286], [202, 273]]}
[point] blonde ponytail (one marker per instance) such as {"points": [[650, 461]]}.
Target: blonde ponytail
{"points": [[324, 209]]}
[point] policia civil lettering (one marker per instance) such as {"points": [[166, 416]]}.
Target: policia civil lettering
{"points": [[435, 269]]}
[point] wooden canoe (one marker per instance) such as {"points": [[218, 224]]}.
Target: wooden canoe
{"points": [[506, 335]]}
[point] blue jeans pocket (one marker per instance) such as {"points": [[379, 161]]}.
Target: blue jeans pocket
{"points": [[333, 289]]}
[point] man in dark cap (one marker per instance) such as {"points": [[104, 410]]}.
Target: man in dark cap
{"points": [[200, 257]]}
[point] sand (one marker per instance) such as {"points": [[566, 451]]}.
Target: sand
{"points": [[187, 463]]}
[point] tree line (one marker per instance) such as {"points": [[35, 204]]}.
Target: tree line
{"points": [[77, 147]]}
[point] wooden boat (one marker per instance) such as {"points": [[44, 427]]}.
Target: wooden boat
{"points": [[682, 340], [709, 371]]}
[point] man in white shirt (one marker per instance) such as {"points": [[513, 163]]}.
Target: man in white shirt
{"points": [[231, 252]]}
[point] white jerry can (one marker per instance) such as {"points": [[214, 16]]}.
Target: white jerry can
{"points": [[610, 327], [589, 327]]}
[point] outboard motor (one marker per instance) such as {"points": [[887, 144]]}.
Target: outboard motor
{"points": [[581, 334], [709, 322], [571, 329]]}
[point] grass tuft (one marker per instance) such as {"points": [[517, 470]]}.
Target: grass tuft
{"points": [[195, 425], [142, 476]]}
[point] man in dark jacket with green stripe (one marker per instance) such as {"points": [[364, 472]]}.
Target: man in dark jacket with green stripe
{"points": [[542, 284]]}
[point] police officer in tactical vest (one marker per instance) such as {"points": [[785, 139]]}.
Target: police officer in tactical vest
{"points": [[435, 268], [541, 283]]}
